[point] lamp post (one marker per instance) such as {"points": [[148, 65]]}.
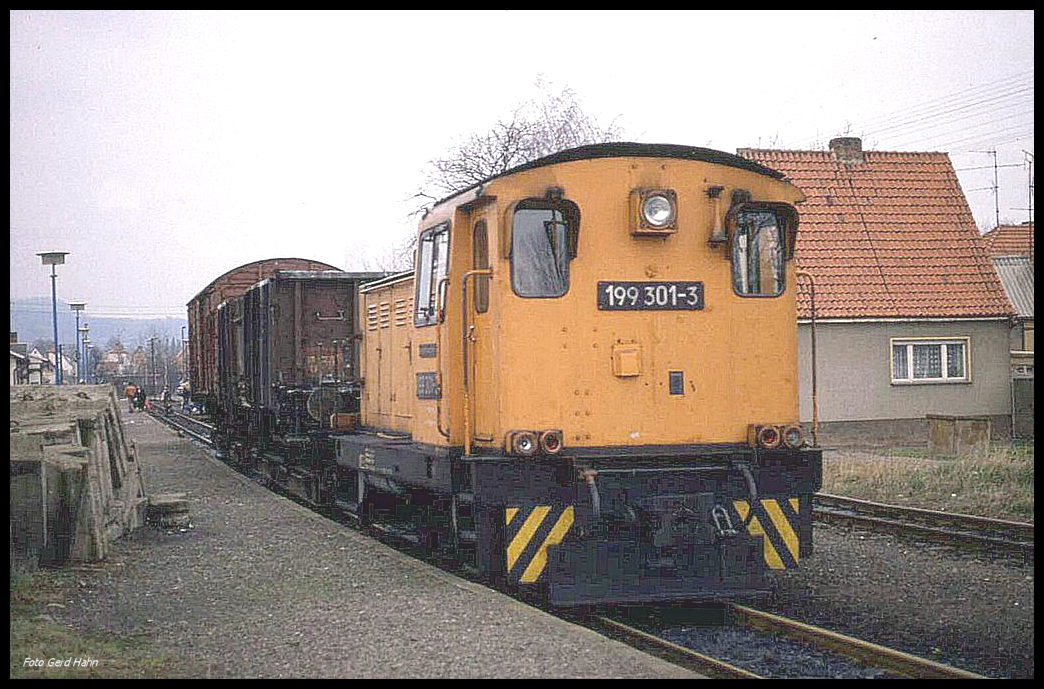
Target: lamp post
{"points": [[184, 355], [54, 258], [82, 344], [77, 307], [86, 349], [152, 367]]}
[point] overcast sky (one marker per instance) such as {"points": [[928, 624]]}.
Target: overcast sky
{"points": [[163, 148]]}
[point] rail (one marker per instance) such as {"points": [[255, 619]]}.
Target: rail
{"points": [[668, 650], [946, 527], [200, 430], [863, 653]]}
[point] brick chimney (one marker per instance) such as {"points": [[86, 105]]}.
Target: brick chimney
{"points": [[848, 150], [14, 337]]}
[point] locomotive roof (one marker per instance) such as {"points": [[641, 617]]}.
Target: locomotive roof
{"points": [[627, 149]]}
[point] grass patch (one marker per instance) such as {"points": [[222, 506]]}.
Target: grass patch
{"points": [[37, 634], [999, 486]]}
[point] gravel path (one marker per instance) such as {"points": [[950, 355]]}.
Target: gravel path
{"points": [[262, 587]]}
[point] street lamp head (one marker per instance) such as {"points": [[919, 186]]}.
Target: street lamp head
{"points": [[53, 258], [77, 306]]}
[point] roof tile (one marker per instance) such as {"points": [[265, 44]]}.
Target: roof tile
{"points": [[890, 237], [1010, 240]]}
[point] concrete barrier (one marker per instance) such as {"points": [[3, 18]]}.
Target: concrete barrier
{"points": [[75, 481]]}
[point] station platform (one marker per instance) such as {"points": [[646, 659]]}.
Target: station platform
{"points": [[259, 586]]}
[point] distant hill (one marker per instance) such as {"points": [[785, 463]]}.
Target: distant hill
{"points": [[31, 319]]}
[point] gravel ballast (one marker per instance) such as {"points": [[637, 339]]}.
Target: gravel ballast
{"points": [[969, 610]]}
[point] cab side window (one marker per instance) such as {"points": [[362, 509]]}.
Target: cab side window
{"points": [[480, 260], [432, 265]]}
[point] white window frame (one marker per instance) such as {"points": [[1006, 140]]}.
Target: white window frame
{"points": [[941, 342]]}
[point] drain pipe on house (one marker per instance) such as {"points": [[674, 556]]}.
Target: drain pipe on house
{"points": [[815, 391]]}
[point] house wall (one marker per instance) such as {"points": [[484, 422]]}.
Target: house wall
{"points": [[855, 384]]}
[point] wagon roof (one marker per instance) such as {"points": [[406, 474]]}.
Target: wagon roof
{"points": [[627, 149], [255, 270]]}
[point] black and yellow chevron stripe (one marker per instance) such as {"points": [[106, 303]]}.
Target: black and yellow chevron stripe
{"points": [[775, 520], [529, 533]]}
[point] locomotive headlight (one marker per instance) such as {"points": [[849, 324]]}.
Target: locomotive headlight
{"points": [[658, 210], [523, 443], [654, 212]]}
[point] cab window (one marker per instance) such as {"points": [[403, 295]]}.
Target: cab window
{"points": [[480, 261], [757, 253], [543, 244], [432, 264]]}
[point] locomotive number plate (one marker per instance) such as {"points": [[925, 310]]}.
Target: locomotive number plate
{"points": [[650, 296]]}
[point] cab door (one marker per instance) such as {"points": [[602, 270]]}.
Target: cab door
{"points": [[484, 401]]}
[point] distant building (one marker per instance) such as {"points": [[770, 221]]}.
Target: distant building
{"points": [[114, 364], [68, 364], [911, 317], [41, 368], [19, 361]]}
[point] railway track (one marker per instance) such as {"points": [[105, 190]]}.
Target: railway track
{"points": [[200, 430], [943, 527], [772, 631]]}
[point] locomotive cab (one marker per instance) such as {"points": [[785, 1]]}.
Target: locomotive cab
{"points": [[594, 368]]}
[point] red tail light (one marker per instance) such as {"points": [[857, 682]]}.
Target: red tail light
{"points": [[769, 437], [551, 442]]}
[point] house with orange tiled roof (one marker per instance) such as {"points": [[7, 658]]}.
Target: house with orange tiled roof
{"points": [[1011, 251], [1010, 248], [1010, 240], [911, 318]]}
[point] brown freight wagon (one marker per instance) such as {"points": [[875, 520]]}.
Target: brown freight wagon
{"points": [[202, 318], [288, 373], [302, 336]]}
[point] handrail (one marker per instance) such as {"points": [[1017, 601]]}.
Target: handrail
{"points": [[438, 364], [815, 392]]}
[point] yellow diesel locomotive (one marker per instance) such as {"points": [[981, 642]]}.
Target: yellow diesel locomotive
{"points": [[588, 385]]}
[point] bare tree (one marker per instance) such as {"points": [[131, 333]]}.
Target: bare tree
{"points": [[395, 257], [552, 122]]}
